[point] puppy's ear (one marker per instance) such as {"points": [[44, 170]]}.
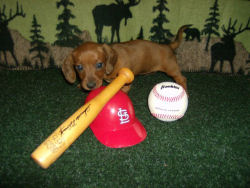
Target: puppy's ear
{"points": [[68, 69], [111, 58]]}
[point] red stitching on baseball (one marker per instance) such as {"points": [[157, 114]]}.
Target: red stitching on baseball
{"points": [[166, 116], [168, 99]]}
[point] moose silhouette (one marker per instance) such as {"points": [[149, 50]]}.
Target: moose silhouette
{"points": [[6, 40], [112, 15], [225, 50]]}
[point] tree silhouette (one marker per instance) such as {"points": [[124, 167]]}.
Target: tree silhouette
{"points": [[68, 33], [52, 64], [27, 63], [248, 61], [140, 35], [211, 26], [37, 43], [160, 34]]}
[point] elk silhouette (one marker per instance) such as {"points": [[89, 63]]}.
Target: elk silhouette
{"points": [[225, 50], [6, 40], [112, 15]]}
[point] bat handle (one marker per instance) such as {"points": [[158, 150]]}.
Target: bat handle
{"points": [[127, 73], [125, 76]]}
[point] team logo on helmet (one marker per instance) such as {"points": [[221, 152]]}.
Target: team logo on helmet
{"points": [[123, 114]]}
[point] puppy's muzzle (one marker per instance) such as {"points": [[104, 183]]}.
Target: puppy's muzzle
{"points": [[91, 85]]}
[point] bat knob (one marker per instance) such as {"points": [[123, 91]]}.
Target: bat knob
{"points": [[127, 73]]}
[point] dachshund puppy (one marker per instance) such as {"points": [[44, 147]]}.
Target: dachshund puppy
{"points": [[97, 62]]}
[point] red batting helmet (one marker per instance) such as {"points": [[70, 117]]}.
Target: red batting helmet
{"points": [[116, 125]]}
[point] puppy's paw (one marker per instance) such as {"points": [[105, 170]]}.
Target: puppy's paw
{"points": [[126, 88]]}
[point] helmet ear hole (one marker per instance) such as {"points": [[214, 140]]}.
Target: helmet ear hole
{"points": [[116, 125]]}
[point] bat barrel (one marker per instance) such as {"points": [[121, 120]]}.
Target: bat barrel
{"points": [[54, 146]]}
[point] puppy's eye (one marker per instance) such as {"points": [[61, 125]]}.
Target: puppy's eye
{"points": [[79, 67], [99, 65]]}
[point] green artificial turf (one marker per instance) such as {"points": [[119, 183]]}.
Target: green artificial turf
{"points": [[208, 147]]}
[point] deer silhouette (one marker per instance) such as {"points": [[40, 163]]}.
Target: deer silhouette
{"points": [[225, 50], [6, 40], [112, 15]]}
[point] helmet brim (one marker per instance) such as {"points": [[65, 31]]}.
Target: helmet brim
{"points": [[130, 136]]}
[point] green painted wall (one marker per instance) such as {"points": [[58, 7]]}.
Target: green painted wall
{"points": [[181, 12]]}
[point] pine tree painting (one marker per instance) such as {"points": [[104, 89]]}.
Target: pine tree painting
{"points": [[37, 44], [140, 35], [160, 34], [67, 35], [211, 26]]}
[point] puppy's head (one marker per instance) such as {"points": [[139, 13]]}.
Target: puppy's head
{"points": [[92, 62]]}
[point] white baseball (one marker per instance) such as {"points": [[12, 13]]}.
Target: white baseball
{"points": [[168, 101]]}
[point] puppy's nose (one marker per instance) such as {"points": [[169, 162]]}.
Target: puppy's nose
{"points": [[91, 85]]}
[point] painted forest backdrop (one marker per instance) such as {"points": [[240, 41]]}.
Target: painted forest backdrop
{"points": [[40, 34]]}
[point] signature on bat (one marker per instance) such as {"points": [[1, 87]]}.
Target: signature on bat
{"points": [[57, 141], [73, 122]]}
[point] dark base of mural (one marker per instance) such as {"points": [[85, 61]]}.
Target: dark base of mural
{"points": [[191, 56], [27, 60]]}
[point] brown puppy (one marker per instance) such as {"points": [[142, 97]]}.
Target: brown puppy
{"points": [[95, 62]]}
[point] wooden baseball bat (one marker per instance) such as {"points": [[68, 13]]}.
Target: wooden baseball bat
{"points": [[54, 146]]}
